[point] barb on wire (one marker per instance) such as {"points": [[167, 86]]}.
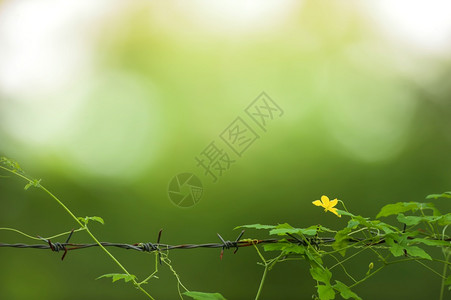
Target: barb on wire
{"points": [[149, 247], [229, 244], [56, 247]]}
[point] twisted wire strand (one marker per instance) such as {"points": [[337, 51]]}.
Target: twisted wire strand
{"points": [[153, 247]]}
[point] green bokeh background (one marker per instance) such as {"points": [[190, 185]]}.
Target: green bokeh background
{"points": [[366, 120]]}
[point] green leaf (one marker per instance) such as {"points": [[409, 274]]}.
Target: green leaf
{"points": [[448, 281], [95, 218], [345, 291], [415, 220], [417, 252], [341, 240], [360, 220], [283, 229], [313, 257], [321, 228], [256, 226], [34, 182], [117, 276], [409, 220], [321, 274], [204, 296], [436, 196], [275, 247], [393, 209], [286, 247], [344, 213], [325, 292], [312, 230], [293, 248], [395, 248], [438, 243], [401, 246], [353, 223], [11, 164], [387, 228], [445, 220]]}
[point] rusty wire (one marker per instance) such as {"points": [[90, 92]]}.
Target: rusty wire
{"points": [[153, 247], [157, 247]]}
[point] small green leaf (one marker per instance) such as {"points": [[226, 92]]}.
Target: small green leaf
{"points": [[117, 276], [393, 209], [34, 182], [353, 223], [325, 292], [256, 226], [399, 246], [415, 220], [321, 274], [341, 240], [204, 296], [311, 231], [321, 228], [286, 247], [400, 207], [409, 220], [344, 213], [11, 164], [448, 281], [275, 247], [362, 221], [395, 248], [293, 248], [387, 228], [438, 243], [445, 220], [436, 196], [95, 218], [283, 229], [417, 252], [313, 257], [345, 291]]}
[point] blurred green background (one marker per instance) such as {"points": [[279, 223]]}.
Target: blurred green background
{"points": [[106, 101]]}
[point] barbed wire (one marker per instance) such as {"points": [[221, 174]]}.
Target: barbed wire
{"points": [[153, 247], [157, 247]]}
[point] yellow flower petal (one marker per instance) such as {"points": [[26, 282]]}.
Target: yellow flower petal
{"points": [[317, 203], [333, 202], [334, 210], [325, 201]]}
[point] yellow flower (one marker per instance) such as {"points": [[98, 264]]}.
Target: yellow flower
{"points": [[327, 204]]}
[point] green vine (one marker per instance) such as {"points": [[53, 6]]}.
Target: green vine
{"points": [[421, 226], [14, 168]]}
